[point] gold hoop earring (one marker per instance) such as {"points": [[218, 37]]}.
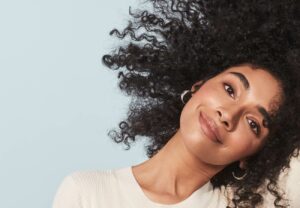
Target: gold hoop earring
{"points": [[183, 95], [239, 178], [189, 93]]}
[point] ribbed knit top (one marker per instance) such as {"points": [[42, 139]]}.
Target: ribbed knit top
{"points": [[119, 189]]}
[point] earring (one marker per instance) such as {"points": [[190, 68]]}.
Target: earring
{"points": [[239, 178], [189, 92], [184, 94]]}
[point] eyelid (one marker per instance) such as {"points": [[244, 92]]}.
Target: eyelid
{"points": [[257, 124], [233, 89]]}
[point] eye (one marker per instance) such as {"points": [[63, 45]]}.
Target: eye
{"points": [[229, 90], [254, 125]]}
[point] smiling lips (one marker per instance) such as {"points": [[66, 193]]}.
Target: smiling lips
{"points": [[208, 128]]}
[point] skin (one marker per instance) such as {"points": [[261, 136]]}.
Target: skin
{"points": [[190, 159]]}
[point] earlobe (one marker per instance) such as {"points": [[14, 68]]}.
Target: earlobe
{"points": [[243, 164]]}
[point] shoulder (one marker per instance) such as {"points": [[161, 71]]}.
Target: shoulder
{"points": [[292, 182], [288, 184], [90, 178], [90, 182], [81, 187]]}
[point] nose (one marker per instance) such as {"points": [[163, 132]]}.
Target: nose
{"points": [[229, 116]]}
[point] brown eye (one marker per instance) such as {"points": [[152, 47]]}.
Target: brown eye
{"points": [[229, 90], [254, 125]]}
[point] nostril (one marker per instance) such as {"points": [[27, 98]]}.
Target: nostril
{"points": [[220, 114], [226, 123]]}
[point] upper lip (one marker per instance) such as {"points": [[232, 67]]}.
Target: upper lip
{"points": [[212, 125]]}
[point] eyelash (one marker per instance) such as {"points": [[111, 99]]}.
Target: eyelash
{"points": [[232, 91]]}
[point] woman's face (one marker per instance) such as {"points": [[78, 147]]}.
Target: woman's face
{"points": [[235, 106]]}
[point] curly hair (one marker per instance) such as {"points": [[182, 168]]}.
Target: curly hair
{"points": [[183, 41]]}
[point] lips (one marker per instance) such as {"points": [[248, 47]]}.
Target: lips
{"points": [[209, 128]]}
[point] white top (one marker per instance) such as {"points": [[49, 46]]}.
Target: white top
{"points": [[119, 189]]}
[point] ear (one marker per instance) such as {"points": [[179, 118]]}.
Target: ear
{"points": [[196, 86], [243, 164]]}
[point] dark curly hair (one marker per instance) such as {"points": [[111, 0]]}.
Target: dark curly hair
{"points": [[179, 42]]}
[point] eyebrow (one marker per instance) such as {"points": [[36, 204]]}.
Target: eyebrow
{"points": [[262, 110]]}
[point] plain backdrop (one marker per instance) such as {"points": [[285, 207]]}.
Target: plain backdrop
{"points": [[57, 100]]}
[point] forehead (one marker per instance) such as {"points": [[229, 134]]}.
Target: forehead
{"points": [[264, 89]]}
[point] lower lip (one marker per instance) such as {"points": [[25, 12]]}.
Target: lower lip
{"points": [[206, 129]]}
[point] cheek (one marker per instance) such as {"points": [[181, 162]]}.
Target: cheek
{"points": [[188, 121], [212, 95], [209, 92], [189, 118], [241, 145], [193, 138]]}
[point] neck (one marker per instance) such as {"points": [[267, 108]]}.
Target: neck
{"points": [[174, 170]]}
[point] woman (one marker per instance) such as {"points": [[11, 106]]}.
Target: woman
{"points": [[216, 92]]}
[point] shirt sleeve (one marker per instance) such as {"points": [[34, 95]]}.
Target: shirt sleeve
{"points": [[68, 194]]}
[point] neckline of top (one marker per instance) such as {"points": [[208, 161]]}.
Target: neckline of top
{"points": [[198, 197]]}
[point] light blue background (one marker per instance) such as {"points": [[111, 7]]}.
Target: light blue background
{"points": [[57, 99]]}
